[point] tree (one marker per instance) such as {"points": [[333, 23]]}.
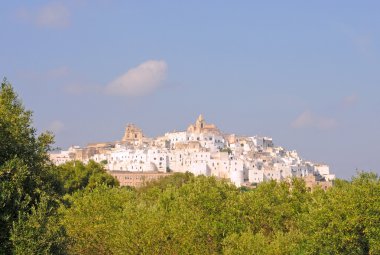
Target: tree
{"points": [[245, 243], [76, 175], [40, 231], [94, 218], [191, 218], [345, 219], [25, 172], [184, 214]]}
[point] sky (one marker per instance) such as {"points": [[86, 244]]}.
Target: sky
{"points": [[306, 73]]}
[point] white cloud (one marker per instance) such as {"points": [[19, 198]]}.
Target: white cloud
{"points": [[139, 80], [56, 126], [309, 120], [51, 15]]}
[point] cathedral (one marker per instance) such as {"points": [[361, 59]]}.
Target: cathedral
{"points": [[133, 134], [201, 127]]}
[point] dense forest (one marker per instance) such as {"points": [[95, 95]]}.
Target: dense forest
{"points": [[78, 208]]}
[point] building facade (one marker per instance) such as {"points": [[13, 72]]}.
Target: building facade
{"points": [[202, 150]]}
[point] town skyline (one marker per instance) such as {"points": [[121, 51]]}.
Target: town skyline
{"points": [[174, 130], [201, 149]]}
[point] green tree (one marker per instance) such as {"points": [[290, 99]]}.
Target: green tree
{"points": [[76, 175], [245, 243], [345, 219], [176, 180], [191, 218], [94, 219], [184, 214], [200, 214], [39, 232], [271, 220], [273, 206], [25, 172]]}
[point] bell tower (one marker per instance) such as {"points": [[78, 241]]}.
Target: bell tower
{"points": [[200, 123]]}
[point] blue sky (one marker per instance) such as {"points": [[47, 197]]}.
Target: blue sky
{"points": [[306, 73]]}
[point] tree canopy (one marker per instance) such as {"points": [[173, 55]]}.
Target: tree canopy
{"points": [[76, 175], [31, 187], [25, 172], [203, 215]]}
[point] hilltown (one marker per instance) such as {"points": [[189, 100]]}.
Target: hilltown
{"points": [[202, 150]]}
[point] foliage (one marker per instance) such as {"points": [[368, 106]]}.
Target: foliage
{"points": [[40, 231], [345, 219], [202, 215], [17, 136], [176, 180], [76, 175], [93, 219], [226, 149], [25, 172], [153, 221]]}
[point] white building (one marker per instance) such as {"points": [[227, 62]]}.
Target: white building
{"points": [[203, 150]]}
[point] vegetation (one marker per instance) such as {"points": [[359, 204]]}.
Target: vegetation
{"points": [[76, 175], [78, 208], [25, 172], [203, 215], [31, 188], [226, 149]]}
